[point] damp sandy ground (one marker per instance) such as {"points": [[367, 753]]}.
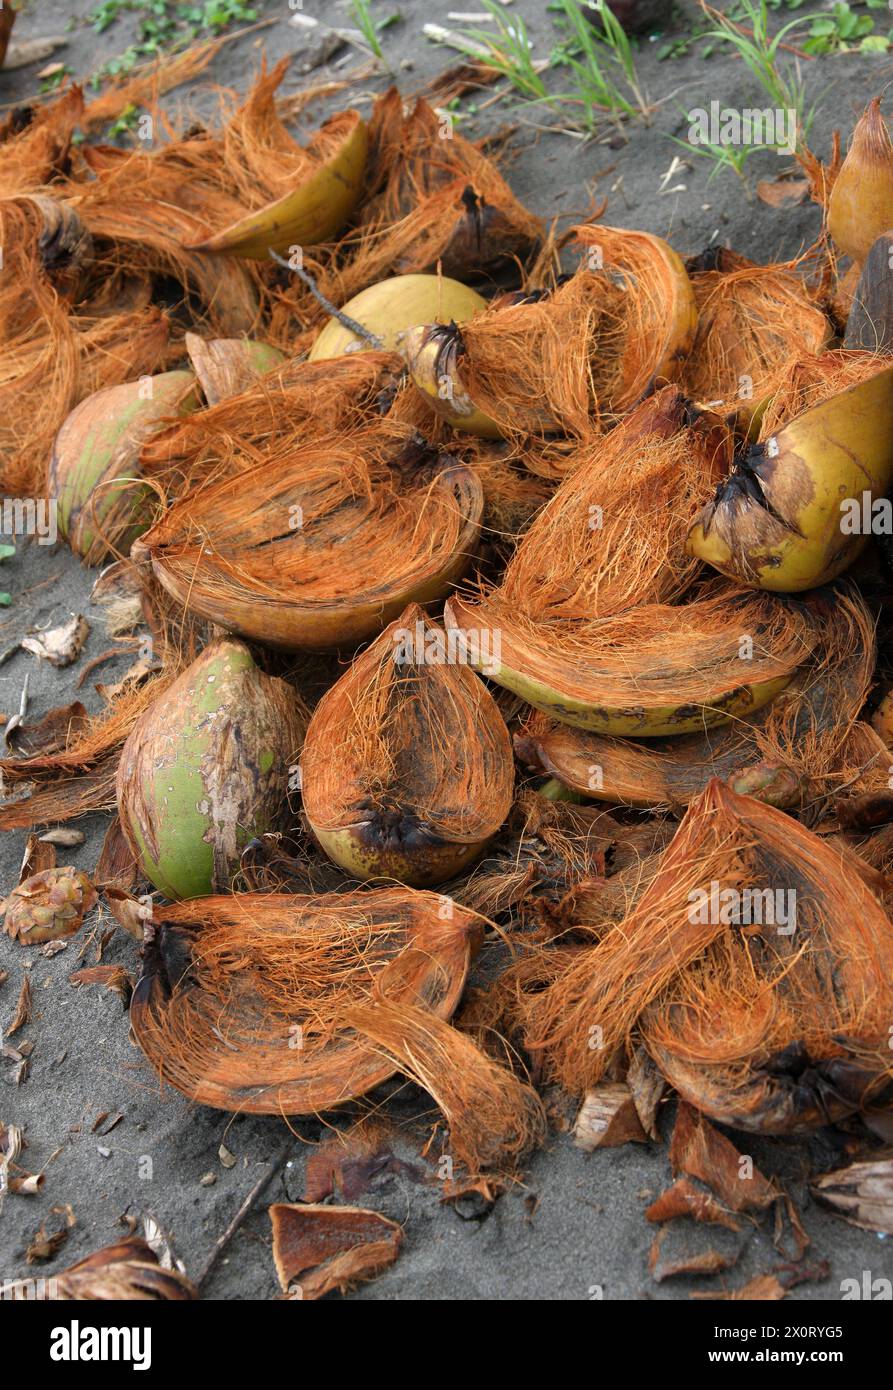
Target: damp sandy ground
{"points": [[576, 1225]]}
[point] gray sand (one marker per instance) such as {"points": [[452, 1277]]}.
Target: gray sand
{"points": [[577, 1222]]}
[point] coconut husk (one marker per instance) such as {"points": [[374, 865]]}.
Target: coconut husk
{"points": [[54, 357], [428, 200], [766, 1030], [407, 765], [244, 1001], [35, 143], [649, 670], [794, 751], [494, 1118], [321, 544], [296, 402], [613, 533], [807, 381], [562, 360], [753, 322]]}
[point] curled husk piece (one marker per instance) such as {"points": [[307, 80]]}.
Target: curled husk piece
{"points": [[329, 178], [407, 766], [206, 768], [228, 366], [862, 193], [495, 1119], [646, 672], [243, 999], [756, 968], [558, 361], [789, 517], [752, 321], [318, 1248], [322, 544], [389, 308], [127, 1271], [94, 470]]}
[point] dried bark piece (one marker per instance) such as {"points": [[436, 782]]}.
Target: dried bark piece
{"points": [[322, 1248], [862, 1194], [684, 1199], [59, 645], [22, 1013], [648, 1090], [607, 1118], [113, 977]]}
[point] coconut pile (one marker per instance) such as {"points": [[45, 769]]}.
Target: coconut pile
{"points": [[511, 704]]}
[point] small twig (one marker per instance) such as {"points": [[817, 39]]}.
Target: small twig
{"points": [[344, 319], [257, 1190]]}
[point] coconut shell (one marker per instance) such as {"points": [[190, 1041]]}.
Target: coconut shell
{"points": [[206, 768]]}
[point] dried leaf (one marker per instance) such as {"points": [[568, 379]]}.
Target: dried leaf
{"points": [[699, 1150], [763, 1288], [22, 1013], [783, 192]]}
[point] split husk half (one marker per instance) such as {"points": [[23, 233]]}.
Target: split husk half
{"points": [[779, 520], [322, 544], [243, 1000], [407, 766], [769, 1022], [792, 751], [559, 361]]}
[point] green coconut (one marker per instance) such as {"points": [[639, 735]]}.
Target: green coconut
{"points": [[207, 768], [96, 458]]}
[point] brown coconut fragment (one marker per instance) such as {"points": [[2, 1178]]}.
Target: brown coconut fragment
{"points": [[862, 1194], [318, 1249], [608, 1118], [698, 1149], [697, 1262], [684, 1199]]}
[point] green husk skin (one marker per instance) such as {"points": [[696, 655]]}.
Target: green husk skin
{"points": [[100, 441], [206, 769]]}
